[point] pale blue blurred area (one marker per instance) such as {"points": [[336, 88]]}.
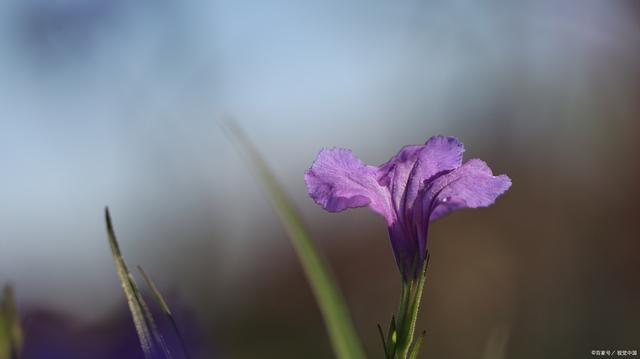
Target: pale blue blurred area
{"points": [[118, 103]]}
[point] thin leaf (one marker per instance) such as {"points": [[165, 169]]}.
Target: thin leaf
{"points": [[144, 334], [342, 334], [392, 338], [11, 337], [15, 328], [5, 337], [156, 293], [416, 346], [151, 340], [165, 308], [151, 323], [384, 344], [5, 343]]}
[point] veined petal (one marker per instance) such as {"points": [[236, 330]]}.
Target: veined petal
{"points": [[406, 173], [338, 180], [470, 186]]}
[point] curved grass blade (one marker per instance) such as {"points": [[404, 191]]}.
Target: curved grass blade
{"points": [[165, 309], [151, 341], [144, 334], [151, 323], [342, 334]]}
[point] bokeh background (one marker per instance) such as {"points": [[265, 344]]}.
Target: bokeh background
{"points": [[119, 103]]}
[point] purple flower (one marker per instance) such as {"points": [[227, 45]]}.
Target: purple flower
{"points": [[418, 185]]}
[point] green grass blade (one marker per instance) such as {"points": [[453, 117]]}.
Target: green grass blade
{"points": [[342, 334], [416, 346], [144, 334], [156, 292], [11, 337], [5, 342], [384, 343], [165, 309], [161, 344], [151, 339]]}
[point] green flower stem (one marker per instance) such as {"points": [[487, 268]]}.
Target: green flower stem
{"points": [[410, 298]]}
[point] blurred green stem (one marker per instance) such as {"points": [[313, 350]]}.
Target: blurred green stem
{"points": [[11, 337], [342, 334]]}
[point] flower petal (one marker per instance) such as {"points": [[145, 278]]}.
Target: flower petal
{"points": [[406, 173], [470, 186], [337, 180]]}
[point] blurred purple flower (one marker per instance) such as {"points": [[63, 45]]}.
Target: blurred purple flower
{"points": [[418, 185], [53, 335]]}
